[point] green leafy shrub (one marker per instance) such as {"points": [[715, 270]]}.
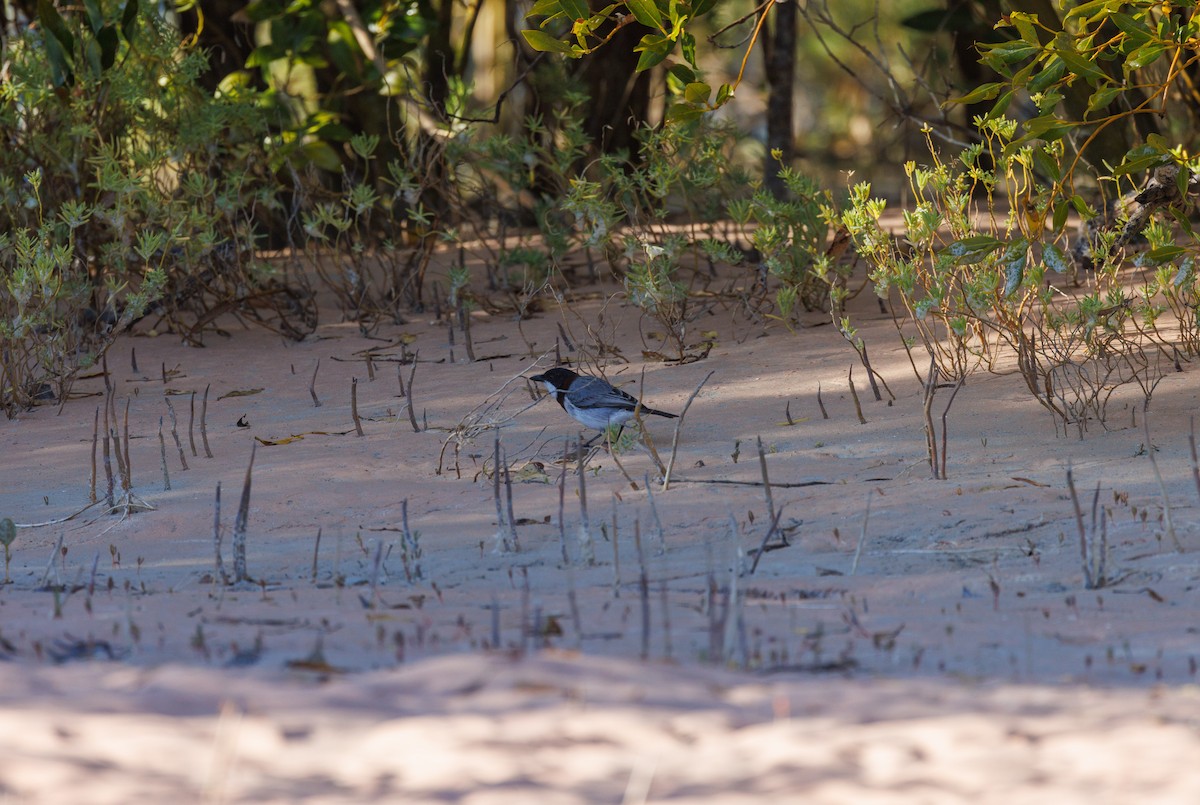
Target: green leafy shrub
{"points": [[140, 194]]}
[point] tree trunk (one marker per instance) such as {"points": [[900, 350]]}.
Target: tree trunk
{"points": [[779, 54]]}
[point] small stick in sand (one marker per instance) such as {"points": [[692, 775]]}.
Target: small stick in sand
{"points": [[762, 463], [162, 449], [239, 525], [358, 431], [512, 520], [503, 540], [465, 315], [854, 396], [660, 535], [312, 385], [562, 496], [820, 404], [678, 426], [586, 553], [412, 414], [204, 424], [108, 473], [370, 368], [175, 433], [316, 551], [220, 563], [128, 463], [133, 359], [192, 422], [96, 434], [616, 551], [1191, 446], [643, 587]]}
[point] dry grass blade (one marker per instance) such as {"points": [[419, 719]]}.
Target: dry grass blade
{"points": [[862, 537]]}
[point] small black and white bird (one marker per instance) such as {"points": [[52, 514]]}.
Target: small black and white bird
{"points": [[592, 401]]}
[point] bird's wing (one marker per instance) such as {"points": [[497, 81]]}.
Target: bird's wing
{"points": [[587, 392]]}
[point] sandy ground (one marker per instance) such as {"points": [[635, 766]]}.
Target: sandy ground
{"points": [[916, 640]]}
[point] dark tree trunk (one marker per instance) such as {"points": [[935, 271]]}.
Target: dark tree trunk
{"points": [[439, 59], [619, 95], [779, 54], [226, 42]]}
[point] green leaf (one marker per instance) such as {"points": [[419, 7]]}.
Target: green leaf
{"points": [[320, 154], [1046, 165], [655, 49], [697, 92], [1024, 24], [646, 12], [95, 16], [1145, 56], [1164, 254], [1061, 210], [1001, 105], [684, 112], [1013, 52], [1138, 164], [1185, 273], [542, 42], [8, 531], [575, 9], [1055, 69], [91, 52], [1053, 257], [1082, 67], [109, 41], [984, 92], [1136, 32], [53, 22], [129, 19], [1014, 260], [973, 248], [687, 46], [1102, 97], [683, 74], [1094, 9], [724, 93]]}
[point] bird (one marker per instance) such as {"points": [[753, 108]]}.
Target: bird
{"points": [[593, 401]]}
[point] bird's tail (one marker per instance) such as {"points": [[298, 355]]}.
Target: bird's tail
{"points": [[656, 412]]}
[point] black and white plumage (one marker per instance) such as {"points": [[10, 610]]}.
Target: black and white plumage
{"points": [[592, 401]]}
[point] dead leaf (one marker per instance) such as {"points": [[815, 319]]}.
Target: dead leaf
{"points": [[241, 393]]}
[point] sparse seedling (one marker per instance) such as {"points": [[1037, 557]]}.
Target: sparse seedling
{"points": [[1093, 546], [410, 547]]}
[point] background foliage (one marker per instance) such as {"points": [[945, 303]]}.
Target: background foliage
{"points": [[153, 156]]}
